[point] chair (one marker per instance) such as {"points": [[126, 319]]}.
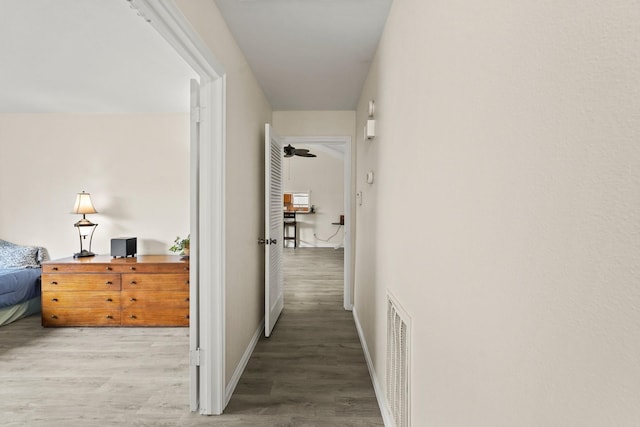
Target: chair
{"points": [[290, 221]]}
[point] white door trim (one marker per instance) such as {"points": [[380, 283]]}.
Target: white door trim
{"points": [[348, 198], [207, 218]]}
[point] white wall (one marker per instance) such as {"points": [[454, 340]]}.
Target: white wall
{"points": [[505, 212], [136, 168], [323, 178], [321, 123], [246, 113]]}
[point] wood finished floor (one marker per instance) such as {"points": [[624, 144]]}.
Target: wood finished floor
{"points": [[311, 372]]}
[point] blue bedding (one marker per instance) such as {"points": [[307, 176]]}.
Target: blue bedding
{"points": [[19, 285]]}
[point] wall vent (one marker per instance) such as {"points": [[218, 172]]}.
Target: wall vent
{"points": [[398, 327]]}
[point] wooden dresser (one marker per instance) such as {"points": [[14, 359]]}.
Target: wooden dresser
{"points": [[150, 290]]}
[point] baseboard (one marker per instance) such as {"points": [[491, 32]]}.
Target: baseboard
{"points": [[233, 383], [377, 388]]}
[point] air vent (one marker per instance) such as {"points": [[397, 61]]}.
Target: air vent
{"points": [[398, 362]]}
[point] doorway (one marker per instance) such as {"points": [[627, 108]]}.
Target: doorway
{"points": [[207, 204], [342, 145]]}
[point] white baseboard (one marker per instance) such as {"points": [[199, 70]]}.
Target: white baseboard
{"points": [[377, 387], [233, 383]]}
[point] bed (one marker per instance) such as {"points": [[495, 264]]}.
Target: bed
{"points": [[19, 280]]}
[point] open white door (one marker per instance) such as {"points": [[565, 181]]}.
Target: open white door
{"points": [[194, 291], [273, 277]]}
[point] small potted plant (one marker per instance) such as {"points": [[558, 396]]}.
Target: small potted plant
{"points": [[181, 245]]}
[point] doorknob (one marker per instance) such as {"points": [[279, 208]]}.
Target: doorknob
{"points": [[262, 241]]}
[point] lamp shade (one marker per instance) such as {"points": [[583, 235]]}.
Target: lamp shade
{"points": [[83, 204]]}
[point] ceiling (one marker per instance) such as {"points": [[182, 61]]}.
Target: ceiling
{"points": [[89, 56], [308, 54], [99, 56]]}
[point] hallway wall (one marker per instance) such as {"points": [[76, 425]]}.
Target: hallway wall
{"points": [[247, 110], [508, 132]]}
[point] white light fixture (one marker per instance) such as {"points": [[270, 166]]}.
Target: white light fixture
{"points": [[370, 127], [85, 227]]}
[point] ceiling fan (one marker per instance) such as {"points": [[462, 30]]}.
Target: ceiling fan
{"points": [[290, 151]]}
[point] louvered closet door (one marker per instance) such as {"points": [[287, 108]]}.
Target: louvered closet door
{"points": [[273, 278]]}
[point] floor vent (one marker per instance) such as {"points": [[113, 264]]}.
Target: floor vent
{"points": [[398, 362]]}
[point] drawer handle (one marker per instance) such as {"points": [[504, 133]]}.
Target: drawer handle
{"points": [[133, 282], [54, 299], [109, 316], [132, 299], [186, 282], [54, 268], [132, 268], [133, 316], [186, 269], [186, 317], [186, 299], [109, 300], [109, 269], [108, 282], [53, 316], [53, 283]]}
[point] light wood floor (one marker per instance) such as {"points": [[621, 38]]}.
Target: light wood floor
{"points": [[311, 372]]}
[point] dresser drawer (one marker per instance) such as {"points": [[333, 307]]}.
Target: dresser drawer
{"points": [[80, 316], [155, 317], [78, 268], [81, 282], [146, 299], [153, 268], [156, 282], [107, 299]]}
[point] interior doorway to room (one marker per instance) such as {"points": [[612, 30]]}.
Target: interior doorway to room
{"points": [[327, 221]]}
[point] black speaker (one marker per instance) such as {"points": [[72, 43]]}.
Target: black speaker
{"points": [[124, 247]]}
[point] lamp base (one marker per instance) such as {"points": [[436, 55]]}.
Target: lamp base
{"points": [[84, 253]]}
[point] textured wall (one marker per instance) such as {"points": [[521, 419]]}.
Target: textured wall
{"points": [[136, 167], [506, 209]]}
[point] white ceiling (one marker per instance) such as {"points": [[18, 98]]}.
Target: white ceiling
{"points": [[90, 56], [99, 56], [308, 54]]}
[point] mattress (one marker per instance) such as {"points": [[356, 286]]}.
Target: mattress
{"points": [[19, 285]]}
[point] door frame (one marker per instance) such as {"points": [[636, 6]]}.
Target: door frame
{"points": [[207, 200], [349, 197]]}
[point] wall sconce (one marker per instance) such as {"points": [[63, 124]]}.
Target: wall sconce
{"points": [[85, 227], [370, 127]]}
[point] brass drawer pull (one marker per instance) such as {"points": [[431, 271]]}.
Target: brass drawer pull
{"points": [[53, 283], [109, 300], [54, 299], [186, 269], [133, 299], [109, 268], [53, 316], [133, 282], [133, 316], [132, 268], [186, 282], [54, 268], [187, 299], [108, 282], [186, 317], [109, 316]]}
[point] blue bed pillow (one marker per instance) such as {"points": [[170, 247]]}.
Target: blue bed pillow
{"points": [[16, 256]]}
